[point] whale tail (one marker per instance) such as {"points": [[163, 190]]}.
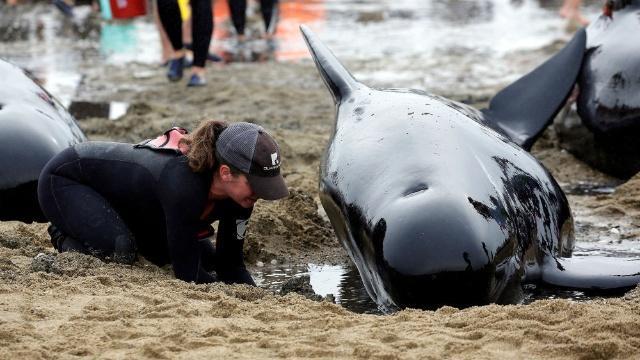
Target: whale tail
{"points": [[590, 273], [525, 108], [337, 78]]}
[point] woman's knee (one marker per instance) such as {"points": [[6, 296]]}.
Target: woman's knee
{"points": [[53, 175]]}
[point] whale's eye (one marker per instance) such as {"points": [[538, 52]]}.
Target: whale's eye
{"points": [[415, 190]]}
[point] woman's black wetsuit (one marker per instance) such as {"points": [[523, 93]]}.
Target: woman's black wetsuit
{"points": [[238, 9], [201, 26], [114, 199]]}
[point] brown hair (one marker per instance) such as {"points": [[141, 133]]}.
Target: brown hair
{"points": [[202, 145]]}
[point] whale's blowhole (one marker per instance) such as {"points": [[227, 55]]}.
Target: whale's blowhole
{"points": [[416, 190]]}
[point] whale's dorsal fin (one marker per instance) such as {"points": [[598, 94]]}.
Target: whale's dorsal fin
{"points": [[525, 108], [591, 273], [337, 78]]}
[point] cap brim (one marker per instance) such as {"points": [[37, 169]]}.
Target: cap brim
{"points": [[268, 187]]}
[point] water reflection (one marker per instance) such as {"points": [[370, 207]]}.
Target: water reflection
{"points": [[408, 31], [288, 44], [609, 245], [345, 284], [589, 188], [354, 295], [533, 293], [89, 109]]}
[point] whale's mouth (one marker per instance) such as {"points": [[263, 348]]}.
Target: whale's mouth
{"points": [[460, 289], [617, 117]]}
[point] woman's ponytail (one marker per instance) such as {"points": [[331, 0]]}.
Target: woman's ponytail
{"points": [[202, 145]]}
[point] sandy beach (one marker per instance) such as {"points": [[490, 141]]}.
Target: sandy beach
{"points": [[69, 305], [59, 306]]}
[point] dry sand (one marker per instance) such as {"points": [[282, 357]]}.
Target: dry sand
{"points": [[70, 305]]}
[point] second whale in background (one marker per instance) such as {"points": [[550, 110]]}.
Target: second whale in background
{"points": [[608, 103]]}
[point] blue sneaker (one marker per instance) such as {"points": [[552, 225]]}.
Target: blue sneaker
{"points": [[197, 80], [66, 9], [175, 69]]}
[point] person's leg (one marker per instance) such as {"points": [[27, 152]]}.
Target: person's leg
{"points": [[167, 50], [169, 13], [202, 27], [82, 219], [238, 9], [269, 16], [187, 31]]}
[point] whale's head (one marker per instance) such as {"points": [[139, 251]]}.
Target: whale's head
{"points": [[428, 248], [609, 98], [417, 202]]}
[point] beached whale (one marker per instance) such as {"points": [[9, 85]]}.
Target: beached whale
{"points": [[436, 204], [34, 127], [609, 94]]}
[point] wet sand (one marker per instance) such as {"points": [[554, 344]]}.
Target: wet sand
{"points": [[68, 305]]}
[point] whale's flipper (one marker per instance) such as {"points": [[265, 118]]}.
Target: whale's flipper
{"points": [[594, 273], [525, 108], [337, 78]]}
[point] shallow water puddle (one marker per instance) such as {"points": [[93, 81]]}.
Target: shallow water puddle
{"points": [[589, 188], [603, 236], [87, 109], [343, 282]]}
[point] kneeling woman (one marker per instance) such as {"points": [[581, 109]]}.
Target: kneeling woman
{"points": [[159, 198]]}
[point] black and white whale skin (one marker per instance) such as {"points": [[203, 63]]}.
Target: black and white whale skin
{"points": [[34, 127], [437, 208], [609, 94]]}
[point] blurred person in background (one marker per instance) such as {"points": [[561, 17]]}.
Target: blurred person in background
{"points": [[268, 9], [570, 10], [201, 29]]}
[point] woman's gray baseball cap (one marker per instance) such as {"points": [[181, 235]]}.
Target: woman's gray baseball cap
{"points": [[250, 149]]}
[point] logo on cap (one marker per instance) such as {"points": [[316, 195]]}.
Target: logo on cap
{"points": [[274, 162]]}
